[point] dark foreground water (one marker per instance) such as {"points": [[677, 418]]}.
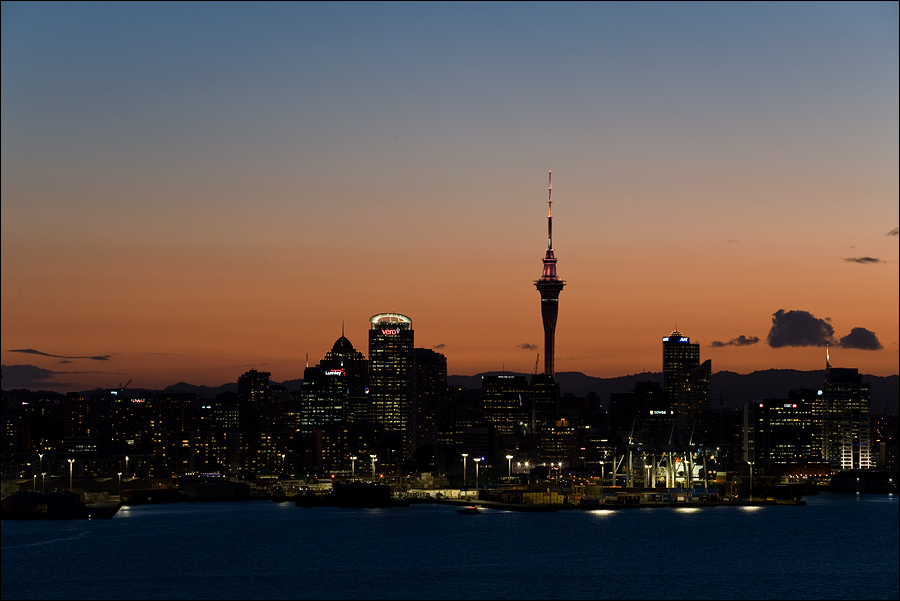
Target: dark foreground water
{"points": [[839, 546]]}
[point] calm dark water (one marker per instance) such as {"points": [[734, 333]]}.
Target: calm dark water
{"points": [[839, 546]]}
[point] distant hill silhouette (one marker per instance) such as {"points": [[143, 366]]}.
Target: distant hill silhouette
{"points": [[732, 389], [729, 388]]}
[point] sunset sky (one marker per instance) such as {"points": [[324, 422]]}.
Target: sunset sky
{"points": [[192, 190]]}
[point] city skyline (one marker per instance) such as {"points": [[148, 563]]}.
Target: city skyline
{"points": [[195, 191]]}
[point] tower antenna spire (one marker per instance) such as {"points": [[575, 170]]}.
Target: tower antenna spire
{"points": [[550, 208]]}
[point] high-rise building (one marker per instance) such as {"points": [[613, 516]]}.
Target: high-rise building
{"points": [[549, 285], [253, 389], [430, 393], [846, 438], [778, 432], [686, 381], [505, 399], [391, 378], [323, 398], [343, 357]]}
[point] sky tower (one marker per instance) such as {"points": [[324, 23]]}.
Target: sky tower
{"points": [[549, 286]]}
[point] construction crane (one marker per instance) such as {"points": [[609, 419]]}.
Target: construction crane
{"points": [[534, 392]]}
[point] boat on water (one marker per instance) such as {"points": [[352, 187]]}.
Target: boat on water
{"points": [[471, 510], [352, 494], [60, 505]]}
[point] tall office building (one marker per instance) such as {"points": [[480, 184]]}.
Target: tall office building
{"points": [[391, 378], [343, 357], [253, 388], [430, 396], [846, 438], [505, 399], [323, 398], [778, 432], [686, 381], [549, 285]]}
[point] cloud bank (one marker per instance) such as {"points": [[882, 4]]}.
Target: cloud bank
{"points": [[527, 346], [31, 351], [802, 328], [739, 341], [864, 260], [799, 328], [861, 338]]}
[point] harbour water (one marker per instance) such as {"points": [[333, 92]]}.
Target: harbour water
{"points": [[838, 546]]}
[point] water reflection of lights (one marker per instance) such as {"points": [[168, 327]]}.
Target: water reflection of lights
{"points": [[687, 509], [750, 507], [602, 512]]}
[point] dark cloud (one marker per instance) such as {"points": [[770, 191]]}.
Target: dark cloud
{"points": [[441, 345], [527, 346], [864, 260], [26, 376], [894, 232], [861, 338], [799, 328], [730, 241], [31, 351], [739, 341]]}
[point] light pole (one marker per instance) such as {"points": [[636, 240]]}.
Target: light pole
{"points": [[353, 466], [509, 459], [120, 486], [477, 461], [282, 462], [751, 480], [43, 474], [41, 464], [464, 455], [71, 466], [34, 483], [126, 467], [374, 457]]}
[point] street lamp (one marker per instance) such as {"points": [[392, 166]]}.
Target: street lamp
{"points": [[126, 467], [282, 462], [71, 466], [353, 466], [42, 481], [751, 480], [41, 463], [509, 460], [477, 461], [120, 485], [374, 457], [34, 483], [464, 455]]}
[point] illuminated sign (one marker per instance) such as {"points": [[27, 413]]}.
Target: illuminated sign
{"points": [[392, 332], [335, 372], [658, 412]]}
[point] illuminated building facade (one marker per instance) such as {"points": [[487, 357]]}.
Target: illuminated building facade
{"points": [[846, 438], [323, 398], [686, 381], [778, 432], [343, 357], [505, 399], [549, 285], [391, 377]]}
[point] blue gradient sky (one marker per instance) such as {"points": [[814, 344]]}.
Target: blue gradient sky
{"points": [[196, 188]]}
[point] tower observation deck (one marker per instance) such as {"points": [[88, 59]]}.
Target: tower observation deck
{"points": [[549, 285]]}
